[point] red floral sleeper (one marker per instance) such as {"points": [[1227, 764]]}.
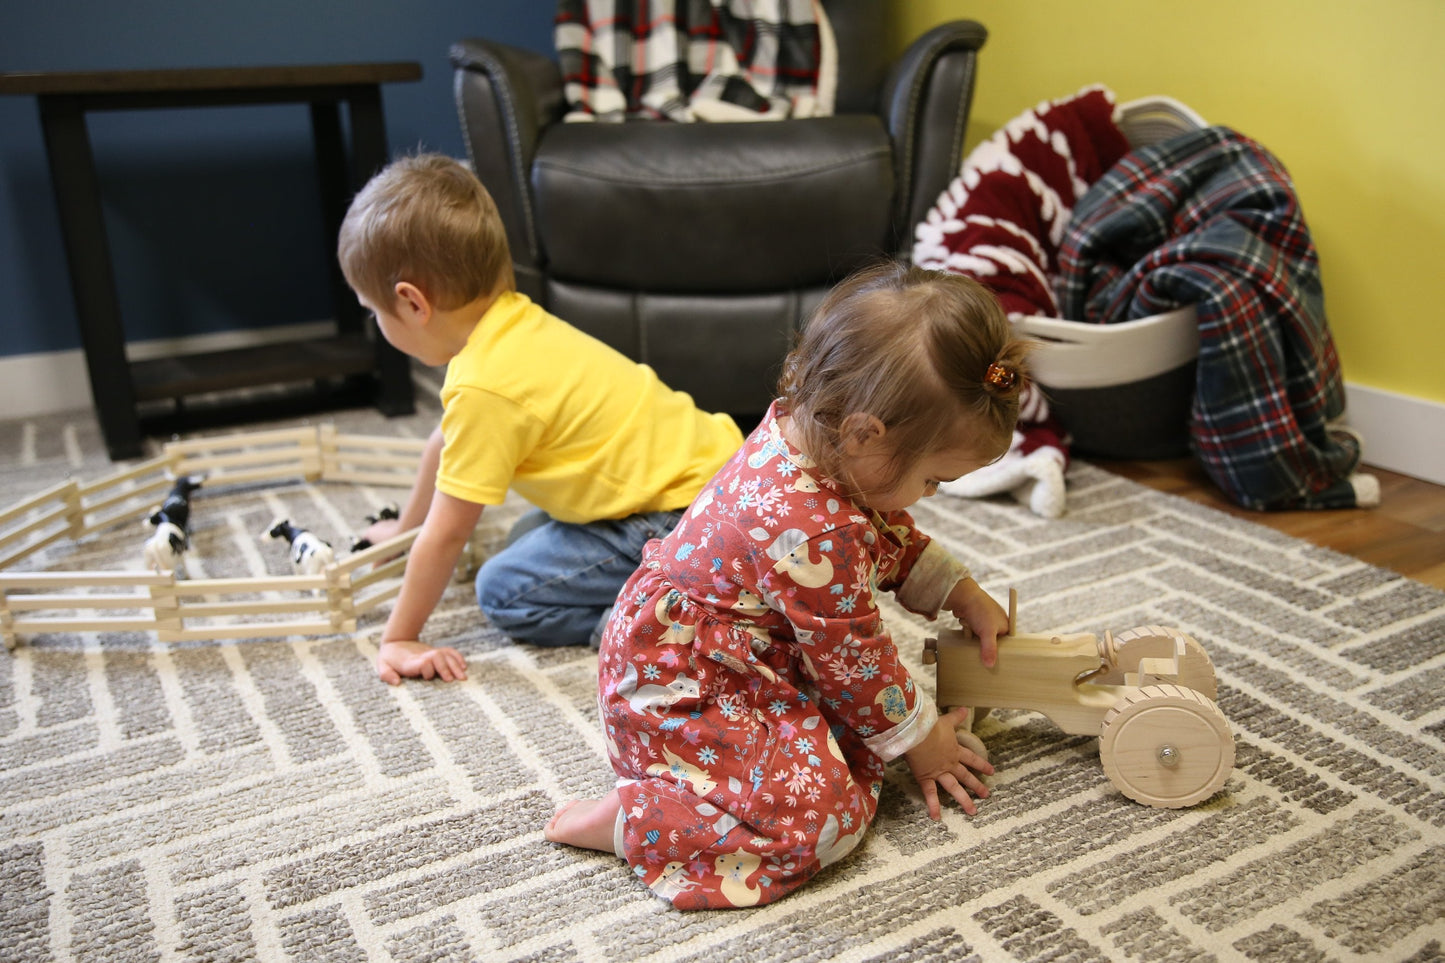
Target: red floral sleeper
{"points": [[749, 692]]}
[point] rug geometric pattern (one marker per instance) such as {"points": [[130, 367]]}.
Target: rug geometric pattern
{"points": [[272, 800]]}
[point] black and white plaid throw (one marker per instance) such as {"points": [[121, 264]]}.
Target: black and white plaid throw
{"points": [[684, 60]]}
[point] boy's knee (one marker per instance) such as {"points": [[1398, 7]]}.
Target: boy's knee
{"points": [[495, 589], [497, 600], [507, 597]]}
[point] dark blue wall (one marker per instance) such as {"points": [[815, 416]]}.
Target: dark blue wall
{"points": [[212, 214]]}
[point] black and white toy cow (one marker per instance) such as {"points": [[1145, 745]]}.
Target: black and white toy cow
{"points": [[310, 553], [165, 548]]}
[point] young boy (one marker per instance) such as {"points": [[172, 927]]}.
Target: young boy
{"points": [[594, 440]]}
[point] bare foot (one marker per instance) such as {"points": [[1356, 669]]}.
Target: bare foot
{"points": [[586, 823]]}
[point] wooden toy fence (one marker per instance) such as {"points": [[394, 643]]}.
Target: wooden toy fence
{"points": [[187, 610]]}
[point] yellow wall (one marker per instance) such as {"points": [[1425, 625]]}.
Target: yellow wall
{"points": [[1349, 95]]}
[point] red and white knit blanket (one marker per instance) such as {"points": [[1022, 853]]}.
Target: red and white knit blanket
{"points": [[1001, 222], [684, 60]]}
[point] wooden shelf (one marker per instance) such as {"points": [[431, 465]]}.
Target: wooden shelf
{"points": [[272, 364]]}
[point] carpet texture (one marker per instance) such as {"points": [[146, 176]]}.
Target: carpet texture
{"points": [[272, 800]]}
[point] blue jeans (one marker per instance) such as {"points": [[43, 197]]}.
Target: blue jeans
{"points": [[555, 582]]}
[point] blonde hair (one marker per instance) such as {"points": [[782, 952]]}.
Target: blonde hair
{"points": [[928, 354], [425, 219]]}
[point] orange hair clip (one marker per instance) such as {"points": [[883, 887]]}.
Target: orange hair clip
{"points": [[1000, 376]]}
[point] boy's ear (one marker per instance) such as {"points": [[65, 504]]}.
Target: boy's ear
{"points": [[862, 434], [412, 303]]}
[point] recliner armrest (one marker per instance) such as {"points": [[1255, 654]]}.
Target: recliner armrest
{"points": [[925, 106], [505, 97]]}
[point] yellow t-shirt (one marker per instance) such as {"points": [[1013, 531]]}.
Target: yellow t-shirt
{"points": [[577, 429]]}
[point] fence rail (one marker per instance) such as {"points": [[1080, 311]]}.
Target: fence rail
{"points": [[188, 610]]}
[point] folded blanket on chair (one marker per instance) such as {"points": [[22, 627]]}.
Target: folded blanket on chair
{"points": [[1210, 218], [1001, 222], [684, 60]]}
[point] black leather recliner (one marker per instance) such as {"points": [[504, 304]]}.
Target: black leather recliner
{"points": [[700, 248]]}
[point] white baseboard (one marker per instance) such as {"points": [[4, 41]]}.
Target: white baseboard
{"points": [[42, 384], [1401, 433], [45, 383]]}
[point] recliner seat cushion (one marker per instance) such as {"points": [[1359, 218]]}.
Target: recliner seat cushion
{"points": [[746, 201]]}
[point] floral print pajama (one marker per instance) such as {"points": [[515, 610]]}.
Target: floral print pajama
{"points": [[749, 692]]}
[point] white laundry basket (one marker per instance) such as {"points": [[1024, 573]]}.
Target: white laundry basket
{"points": [[1124, 390]]}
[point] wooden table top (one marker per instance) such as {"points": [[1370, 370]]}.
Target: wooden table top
{"points": [[179, 79]]}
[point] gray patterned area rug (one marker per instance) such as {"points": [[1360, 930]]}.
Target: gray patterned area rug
{"points": [[271, 800]]}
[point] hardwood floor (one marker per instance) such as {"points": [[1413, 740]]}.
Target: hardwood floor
{"points": [[1405, 534]]}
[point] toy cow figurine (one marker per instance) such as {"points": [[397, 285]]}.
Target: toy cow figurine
{"points": [[310, 554], [172, 521]]}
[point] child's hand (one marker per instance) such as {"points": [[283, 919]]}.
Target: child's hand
{"points": [[942, 760], [382, 529], [418, 660], [976, 609], [378, 532]]}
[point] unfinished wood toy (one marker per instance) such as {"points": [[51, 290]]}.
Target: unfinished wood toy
{"points": [[1148, 694], [326, 597], [164, 550]]}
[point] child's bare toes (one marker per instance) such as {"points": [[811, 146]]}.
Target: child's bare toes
{"points": [[550, 830]]}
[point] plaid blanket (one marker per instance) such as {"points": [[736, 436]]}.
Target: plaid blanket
{"points": [[684, 60], [1001, 222], [1210, 218]]}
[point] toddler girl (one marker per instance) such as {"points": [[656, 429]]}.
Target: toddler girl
{"points": [[749, 692]]}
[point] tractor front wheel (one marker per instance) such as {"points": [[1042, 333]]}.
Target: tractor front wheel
{"points": [[1166, 746]]}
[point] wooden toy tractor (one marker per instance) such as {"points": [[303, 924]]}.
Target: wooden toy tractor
{"points": [[1148, 694]]}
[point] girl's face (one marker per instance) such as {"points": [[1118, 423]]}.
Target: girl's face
{"points": [[871, 466]]}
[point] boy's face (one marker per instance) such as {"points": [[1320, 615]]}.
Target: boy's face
{"points": [[405, 329]]}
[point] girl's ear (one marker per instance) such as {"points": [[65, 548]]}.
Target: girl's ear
{"points": [[862, 435], [412, 303]]}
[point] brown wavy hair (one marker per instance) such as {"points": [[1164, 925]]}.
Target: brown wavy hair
{"points": [[931, 355], [425, 219]]}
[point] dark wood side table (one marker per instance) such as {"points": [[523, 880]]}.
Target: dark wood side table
{"points": [[117, 385]]}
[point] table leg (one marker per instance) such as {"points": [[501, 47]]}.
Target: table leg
{"points": [[369, 155], [92, 279], [336, 191]]}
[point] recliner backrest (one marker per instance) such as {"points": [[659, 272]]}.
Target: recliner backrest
{"points": [[861, 29]]}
